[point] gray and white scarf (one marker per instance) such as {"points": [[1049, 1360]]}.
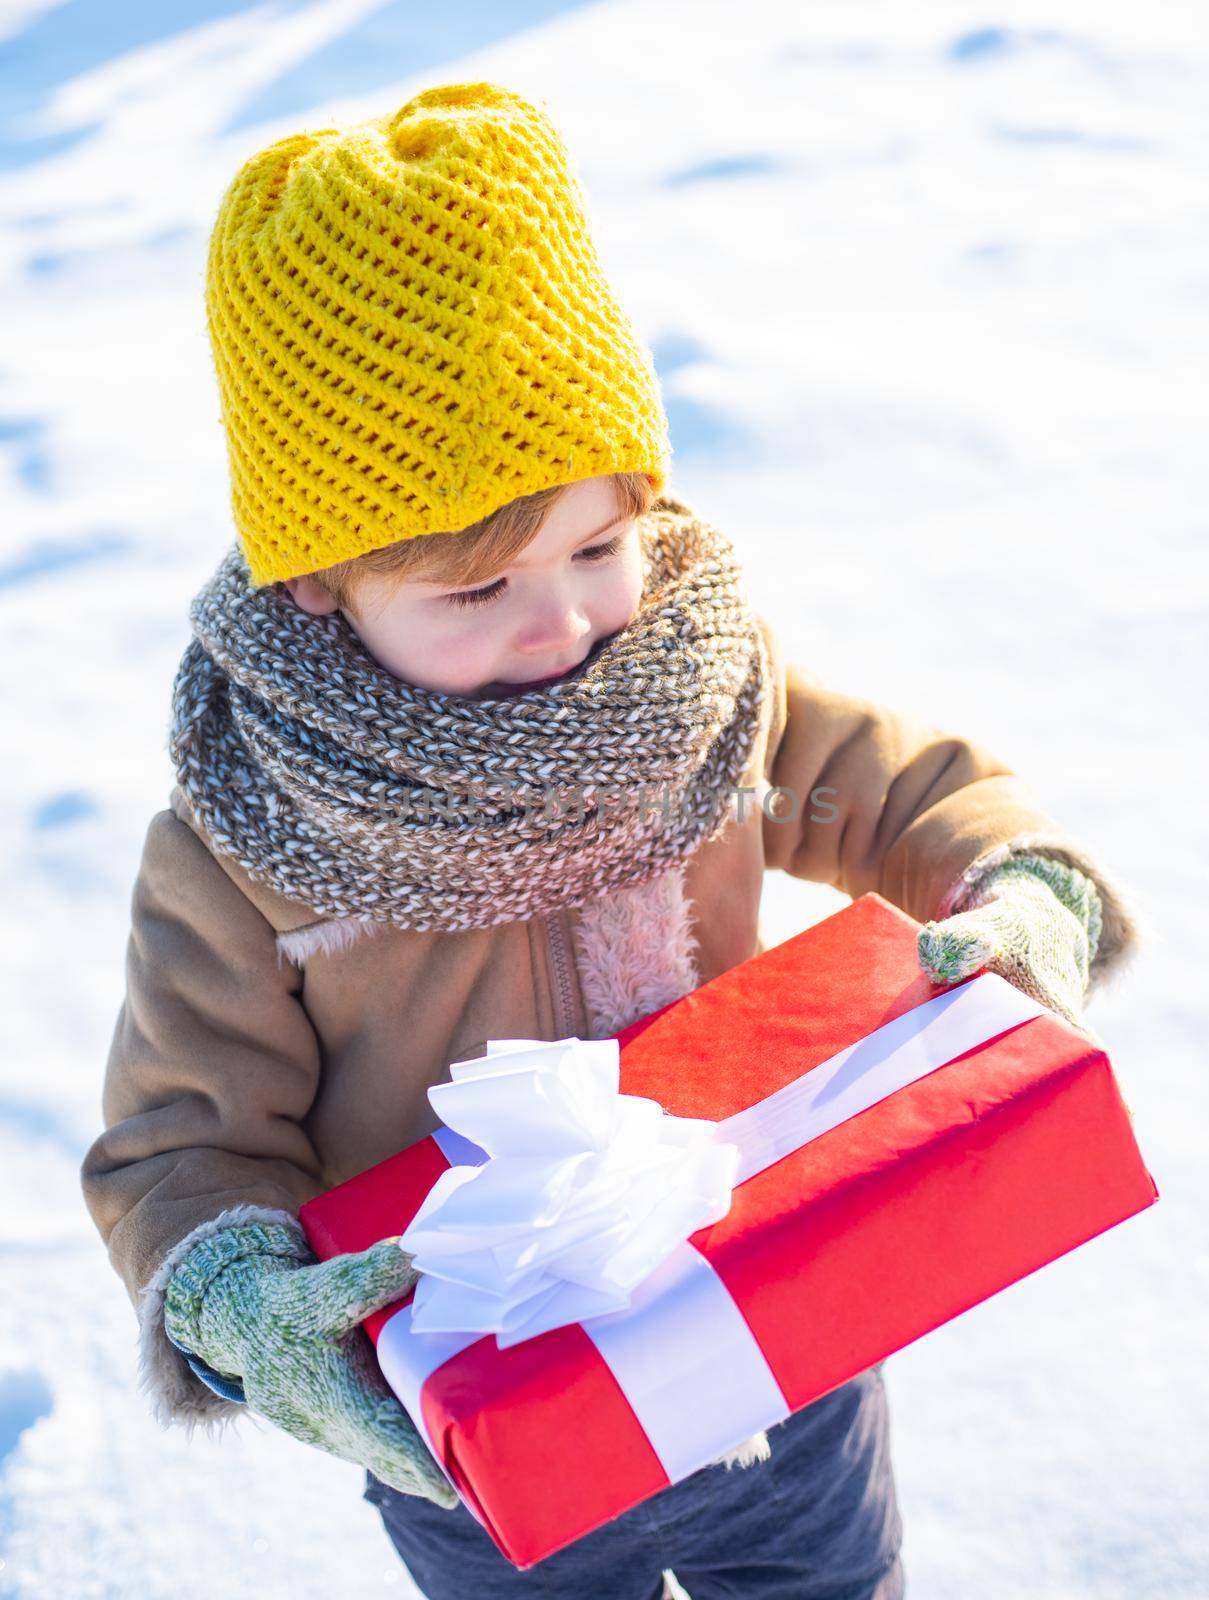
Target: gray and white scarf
{"points": [[343, 787]]}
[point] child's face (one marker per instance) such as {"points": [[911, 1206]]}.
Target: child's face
{"points": [[574, 586]]}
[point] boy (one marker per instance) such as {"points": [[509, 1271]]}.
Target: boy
{"points": [[463, 740]]}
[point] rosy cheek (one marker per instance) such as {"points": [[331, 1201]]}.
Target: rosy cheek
{"points": [[627, 595], [466, 657], [472, 643]]}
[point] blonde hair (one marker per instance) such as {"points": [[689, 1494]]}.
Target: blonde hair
{"points": [[476, 554]]}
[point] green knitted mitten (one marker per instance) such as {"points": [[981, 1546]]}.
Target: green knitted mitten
{"points": [[246, 1302], [1035, 921]]}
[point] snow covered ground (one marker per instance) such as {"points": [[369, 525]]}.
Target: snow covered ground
{"points": [[926, 287]]}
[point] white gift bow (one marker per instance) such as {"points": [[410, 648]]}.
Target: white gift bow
{"points": [[585, 1192]]}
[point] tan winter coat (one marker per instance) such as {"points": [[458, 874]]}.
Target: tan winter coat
{"points": [[263, 1054]]}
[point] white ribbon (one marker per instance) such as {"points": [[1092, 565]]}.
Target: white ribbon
{"points": [[585, 1192]]}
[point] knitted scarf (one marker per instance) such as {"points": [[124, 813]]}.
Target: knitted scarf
{"points": [[343, 787]]}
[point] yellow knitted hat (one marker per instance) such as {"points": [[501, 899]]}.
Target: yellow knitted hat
{"points": [[411, 328]]}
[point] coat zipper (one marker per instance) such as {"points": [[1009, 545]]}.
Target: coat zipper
{"points": [[561, 959]]}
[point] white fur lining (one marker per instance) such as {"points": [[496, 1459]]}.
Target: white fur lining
{"points": [[1126, 928], [176, 1393], [635, 952], [326, 938]]}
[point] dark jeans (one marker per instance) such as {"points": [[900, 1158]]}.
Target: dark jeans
{"points": [[817, 1521]]}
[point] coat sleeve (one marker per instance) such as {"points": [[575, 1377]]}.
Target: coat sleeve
{"points": [[212, 1069], [867, 797]]}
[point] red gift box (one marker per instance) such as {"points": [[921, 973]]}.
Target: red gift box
{"points": [[875, 1231]]}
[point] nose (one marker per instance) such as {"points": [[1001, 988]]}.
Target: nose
{"points": [[558, 628]]}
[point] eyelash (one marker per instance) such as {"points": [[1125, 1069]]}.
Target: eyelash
{"points": [[482, 597]]}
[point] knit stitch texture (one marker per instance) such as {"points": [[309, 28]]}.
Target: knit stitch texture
{"points": [[1036, 921], [411, 328], [255, 1304]]}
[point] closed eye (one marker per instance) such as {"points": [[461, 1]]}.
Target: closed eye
{"points": [[482, 597]]}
